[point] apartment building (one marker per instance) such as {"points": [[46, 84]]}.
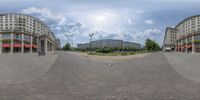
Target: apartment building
{"points": [[58, 44], [169, 39], [111, 43], [21, 33], [187, 34]]}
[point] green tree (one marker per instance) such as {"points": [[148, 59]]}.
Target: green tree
{"points": [[66, 47], [106, 50], [151, 45]]}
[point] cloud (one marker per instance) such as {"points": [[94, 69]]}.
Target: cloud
{"points": [[137, 36], [58, 28], [129, 20], [152, 32], [150, 22], [46, 15], [140, 11], [75, 26], [141, 36]]}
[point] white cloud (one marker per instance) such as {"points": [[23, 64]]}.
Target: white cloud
{"points": [[58, 28], [54, 20], [150, 22], [141, 36], [73, 28], [140, 11], [152, 32], [129, 20], [45, 14]]}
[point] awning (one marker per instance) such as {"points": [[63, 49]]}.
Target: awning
{"points": [[27, 45], [17, 45], [6, 45], [34, 46], [189, 46]]}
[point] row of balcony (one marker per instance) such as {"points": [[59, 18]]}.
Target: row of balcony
{"points": [[18, 45]]}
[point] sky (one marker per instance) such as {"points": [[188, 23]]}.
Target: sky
{"points": [[129, 20]]}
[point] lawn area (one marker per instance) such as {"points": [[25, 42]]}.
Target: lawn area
{"points": [[117, 53], [114, 56]]}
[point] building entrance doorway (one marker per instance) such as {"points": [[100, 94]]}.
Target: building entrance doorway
{"points": [[6, 50], [17, 50]]}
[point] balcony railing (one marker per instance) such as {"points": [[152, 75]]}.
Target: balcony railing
{"points": [[17, 37]]}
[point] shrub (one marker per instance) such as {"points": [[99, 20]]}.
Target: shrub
{"points": [[132, 53], [98, 50], [124, 54], [106, 50], [83, 50]]}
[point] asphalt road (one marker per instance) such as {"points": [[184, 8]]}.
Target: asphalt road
{"points": [[78, 78]]}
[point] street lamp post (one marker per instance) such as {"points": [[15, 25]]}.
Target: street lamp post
{"points": [[72, 46], [90, 44], [121, 47]]}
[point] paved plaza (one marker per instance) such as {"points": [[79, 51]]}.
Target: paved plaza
{"points": [[18, 68], [186, 64], [74, 77]]}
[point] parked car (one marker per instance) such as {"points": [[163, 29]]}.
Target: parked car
{"points": [[168, 49]]}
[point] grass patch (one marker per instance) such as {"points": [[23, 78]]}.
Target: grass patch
{"points": [[117, 53]]}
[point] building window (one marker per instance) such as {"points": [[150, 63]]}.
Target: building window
{"points": [[17, 36], [197, 37], [6, 36], [27, 37]]}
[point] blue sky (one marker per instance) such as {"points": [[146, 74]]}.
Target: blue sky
{"points": [[130, 20]]}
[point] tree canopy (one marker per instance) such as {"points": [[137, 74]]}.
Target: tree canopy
{"points": [[66, 47], [151, 45]]}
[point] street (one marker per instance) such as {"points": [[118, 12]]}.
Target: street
{"points": [[73, 77]]}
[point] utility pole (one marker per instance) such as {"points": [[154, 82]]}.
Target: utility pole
{"points": [[90, 44]]}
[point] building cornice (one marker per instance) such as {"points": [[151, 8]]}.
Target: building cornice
{"points": [[186, 19]]}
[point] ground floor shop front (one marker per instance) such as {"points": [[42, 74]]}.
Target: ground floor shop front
{"points": [[25, 43], [188, 44]]}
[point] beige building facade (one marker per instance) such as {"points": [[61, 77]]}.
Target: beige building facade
{"points": [[187, 35], [111, 43], [25, 34], [170, 38]]}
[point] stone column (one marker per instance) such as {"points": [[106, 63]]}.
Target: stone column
{"points": [[52, 47], [182, 49], [31, 49], [48, 45], [38, 45], [1, 41], [22, 44], [186, 49], [11, 42], [193, 48], [45, 45], [181, 46], [178, 46]]}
